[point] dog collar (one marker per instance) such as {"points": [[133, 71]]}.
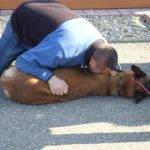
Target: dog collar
{"points": [[134, 82]]}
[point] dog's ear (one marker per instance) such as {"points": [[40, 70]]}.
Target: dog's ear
{"points": [[139, 96], [138, 72]]}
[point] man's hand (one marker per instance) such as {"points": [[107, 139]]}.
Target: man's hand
{"points": [[58, 86]]}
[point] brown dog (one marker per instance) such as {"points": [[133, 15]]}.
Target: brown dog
{"points": [[30, 90]]}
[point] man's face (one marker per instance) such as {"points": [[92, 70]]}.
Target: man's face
{"points": [[99, 67]]}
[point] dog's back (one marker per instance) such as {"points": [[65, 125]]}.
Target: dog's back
{"points": [[30, 90]]}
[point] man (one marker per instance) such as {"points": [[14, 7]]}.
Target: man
{"points": [[44, 35]]}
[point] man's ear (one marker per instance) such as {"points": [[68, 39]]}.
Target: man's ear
{"points": [[138, 72], [92, 61], [139, 96]]}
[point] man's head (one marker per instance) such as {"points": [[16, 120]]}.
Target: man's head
{"points": [[103, 59]]}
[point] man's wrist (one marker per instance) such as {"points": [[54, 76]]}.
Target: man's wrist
{"points": [[52, 77]]}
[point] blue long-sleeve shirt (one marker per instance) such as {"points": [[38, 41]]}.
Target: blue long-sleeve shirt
{"points": [[64, 47]]}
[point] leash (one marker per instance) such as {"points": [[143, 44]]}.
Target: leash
{"points": [[142, 86]]}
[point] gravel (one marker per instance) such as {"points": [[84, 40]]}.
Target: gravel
{"points": [[122, 28], [129, 28]]}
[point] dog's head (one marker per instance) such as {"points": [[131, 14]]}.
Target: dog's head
{"points": [[141, 84]]}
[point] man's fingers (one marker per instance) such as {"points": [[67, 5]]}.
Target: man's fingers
{"points": [[58, 91], [66, 90], [58, 87]]}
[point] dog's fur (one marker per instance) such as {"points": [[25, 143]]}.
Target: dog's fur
{"points": [[30, 90]]}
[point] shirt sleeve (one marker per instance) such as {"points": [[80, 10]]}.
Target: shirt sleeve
{"points": [[39, 61]]}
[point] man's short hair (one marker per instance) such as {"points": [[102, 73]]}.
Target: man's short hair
{"points": [[101, 51]]}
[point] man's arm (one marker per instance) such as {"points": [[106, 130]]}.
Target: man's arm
{"points": [[40, 60], [33, 69], [57, 86]]}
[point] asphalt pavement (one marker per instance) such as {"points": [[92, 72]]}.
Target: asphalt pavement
{"points": [[90, 123]]}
